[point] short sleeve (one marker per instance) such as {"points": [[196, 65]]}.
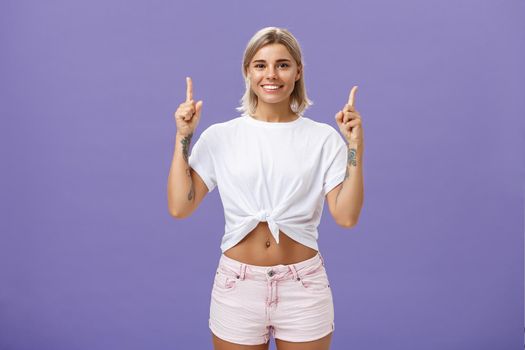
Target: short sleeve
{"points": [[201, 161], [335, 153]]}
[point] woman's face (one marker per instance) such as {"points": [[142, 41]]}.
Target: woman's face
{"points": [[272, 74]]}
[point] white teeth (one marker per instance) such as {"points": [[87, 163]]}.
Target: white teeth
{"points": [[271, 87]]}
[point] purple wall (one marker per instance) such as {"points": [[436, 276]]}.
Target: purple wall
{"points": [[90, 257]]}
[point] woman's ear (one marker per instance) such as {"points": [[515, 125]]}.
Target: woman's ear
{"points": [[299, 72]]}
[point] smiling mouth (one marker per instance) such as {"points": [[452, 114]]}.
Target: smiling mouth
{"points": [[271, 87]]}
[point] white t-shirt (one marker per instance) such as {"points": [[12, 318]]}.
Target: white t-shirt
{"points": [[271, 171]]}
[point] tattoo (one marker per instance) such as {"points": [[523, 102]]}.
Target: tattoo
{"points": [[186, 141], [191, 194], [351, 161], [186, 146], [352, 156]]}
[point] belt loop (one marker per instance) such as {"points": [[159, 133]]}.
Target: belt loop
{"points": [[294, 272], [321, 257], [243, 271]]}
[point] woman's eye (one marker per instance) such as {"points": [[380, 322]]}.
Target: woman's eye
{"points": [[260, 65]]}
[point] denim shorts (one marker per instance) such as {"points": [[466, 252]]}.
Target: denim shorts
{"points": [[291, 302]]}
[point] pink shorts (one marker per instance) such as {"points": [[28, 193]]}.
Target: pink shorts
{"points": [[292, 302]]}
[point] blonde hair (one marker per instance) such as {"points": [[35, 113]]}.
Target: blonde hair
{"points": [[299, 101]]}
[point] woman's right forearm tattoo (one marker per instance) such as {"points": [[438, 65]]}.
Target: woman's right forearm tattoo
{"points": [[186, 141], [186, 146]]}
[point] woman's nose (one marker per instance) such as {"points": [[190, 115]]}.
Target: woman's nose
{"points": [[271, 72]]}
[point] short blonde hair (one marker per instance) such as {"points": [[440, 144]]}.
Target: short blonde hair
{"points": [[299, 101]]}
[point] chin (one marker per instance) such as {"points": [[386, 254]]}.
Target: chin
{"points": [[273, 99]]}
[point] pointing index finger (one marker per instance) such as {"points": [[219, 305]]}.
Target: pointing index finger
{"points": [[351, 97], [189, 89]]}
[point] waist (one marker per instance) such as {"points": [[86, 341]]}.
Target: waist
{"points": [[237, 269], [260, 248]]}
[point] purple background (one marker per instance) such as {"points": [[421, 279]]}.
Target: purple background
{"points": [[90, 257]]}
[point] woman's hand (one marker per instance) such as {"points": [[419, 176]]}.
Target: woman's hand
{"points": [[349, 121], [188, 114]]}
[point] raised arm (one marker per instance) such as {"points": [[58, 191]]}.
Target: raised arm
{"points": [[345, 201], [185, 187]]}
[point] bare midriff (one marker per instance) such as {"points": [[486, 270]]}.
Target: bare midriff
{"points": [[260, 248]]}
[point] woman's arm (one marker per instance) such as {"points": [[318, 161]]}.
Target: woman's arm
{"points": [[186, 189], [346, 199]]}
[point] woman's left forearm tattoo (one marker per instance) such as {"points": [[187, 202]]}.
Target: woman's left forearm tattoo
{"points": [[351, 161]]}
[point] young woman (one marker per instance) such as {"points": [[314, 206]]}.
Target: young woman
{"points": [[273, 168]]}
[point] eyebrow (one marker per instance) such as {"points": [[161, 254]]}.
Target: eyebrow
{"points": [[279, 60]]}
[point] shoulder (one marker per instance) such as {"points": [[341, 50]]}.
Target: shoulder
{"points": [[321, 129], [221, 129]]}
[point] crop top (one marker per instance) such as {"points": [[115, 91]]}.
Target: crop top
{"points": [[279, 172]]}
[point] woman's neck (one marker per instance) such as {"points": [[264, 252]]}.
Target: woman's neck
{"points": [[274, 113]]}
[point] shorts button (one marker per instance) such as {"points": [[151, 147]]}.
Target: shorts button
{"points": [[271, 273]]}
